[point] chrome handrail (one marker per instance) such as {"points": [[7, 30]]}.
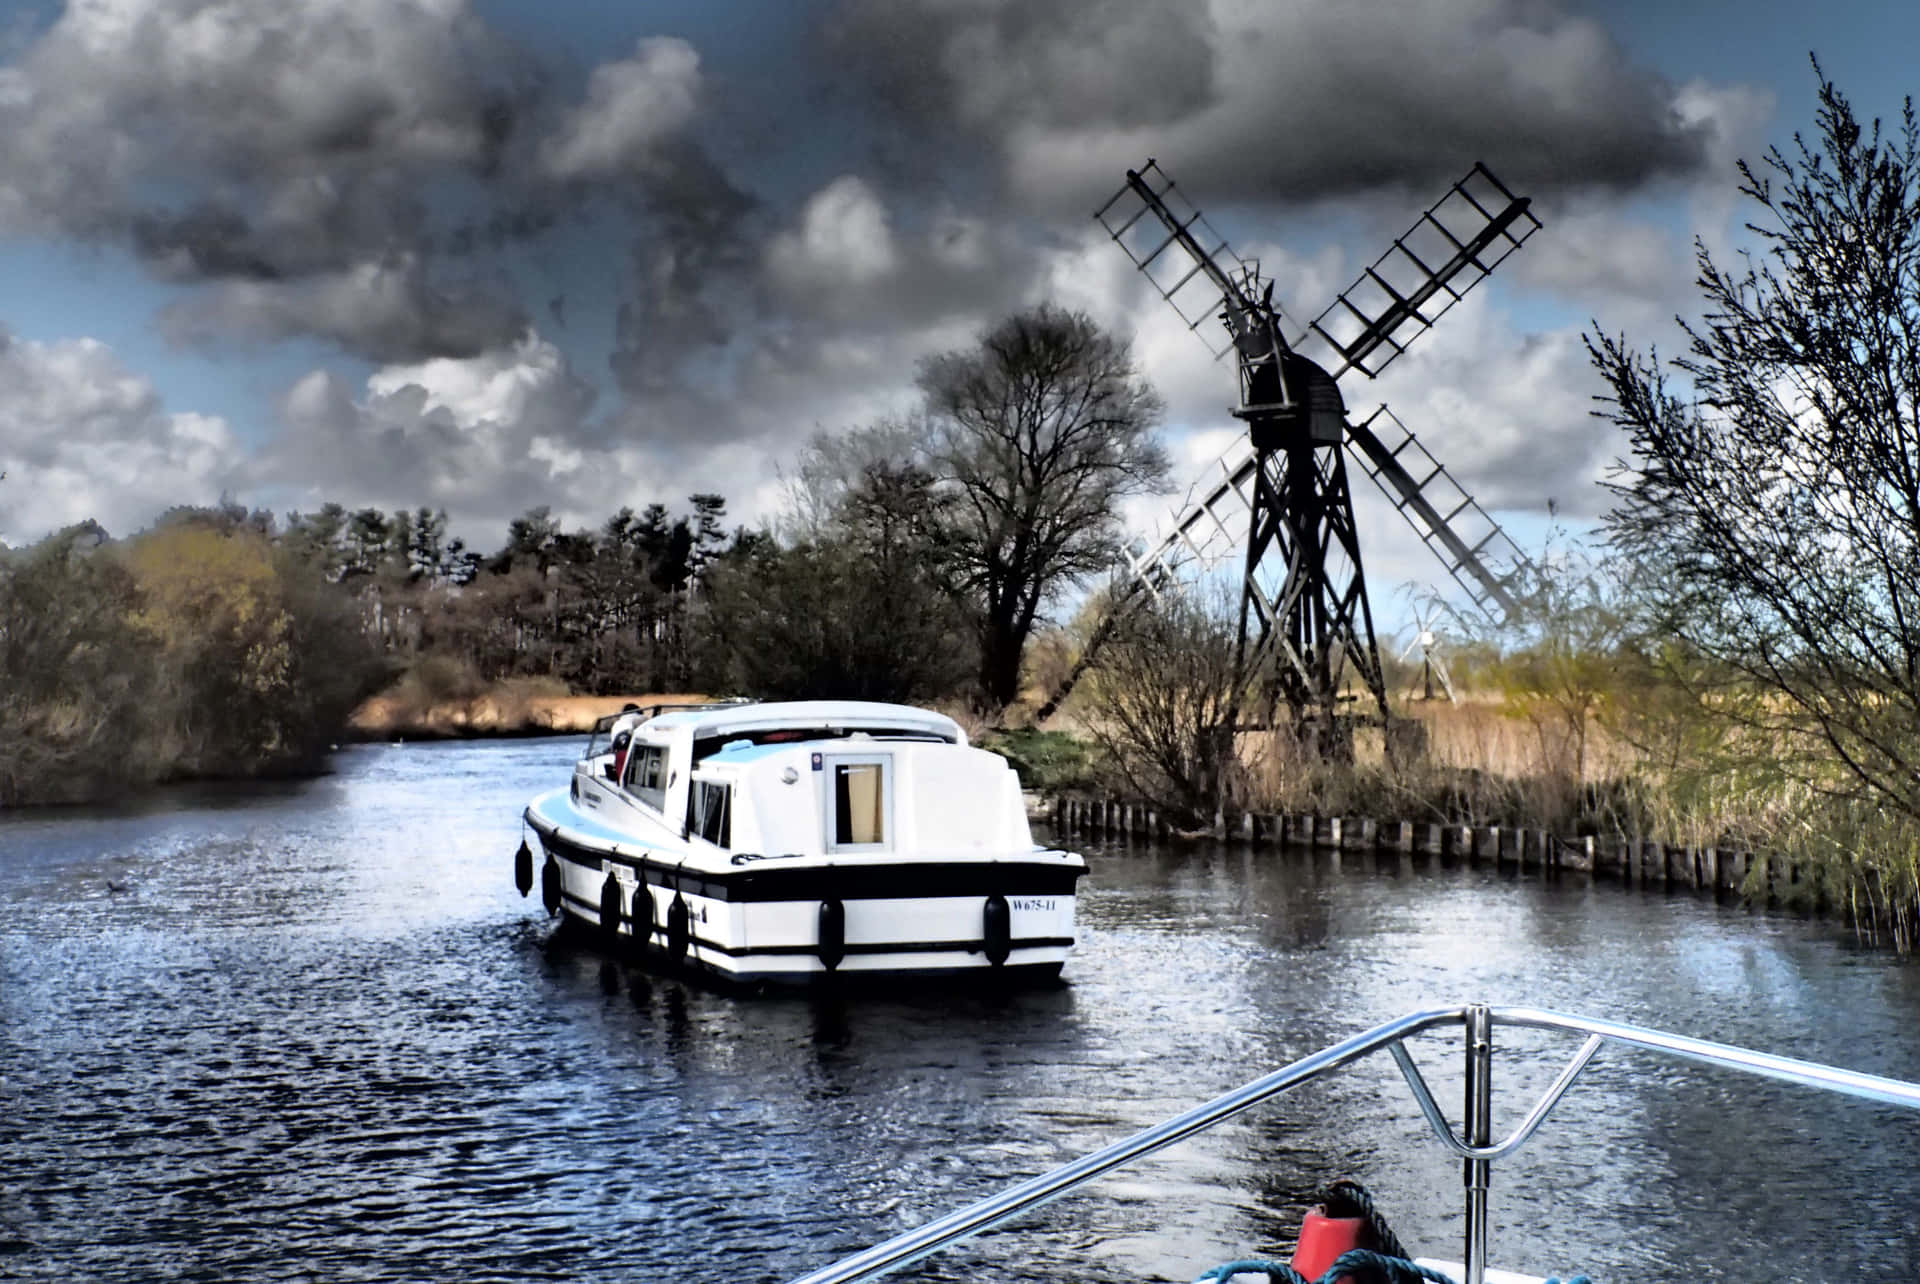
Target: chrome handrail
{"points": [[1477, 1149]]}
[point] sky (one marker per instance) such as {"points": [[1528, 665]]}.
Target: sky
{"points": [[486, 255]]}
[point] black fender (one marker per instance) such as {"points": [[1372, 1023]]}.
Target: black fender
{"points": [[833, 933], [523, 868], [679, 927], [996, 929], [610, 909]]}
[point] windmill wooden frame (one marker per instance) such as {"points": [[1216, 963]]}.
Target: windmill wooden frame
{"points": [[1282, 499]]}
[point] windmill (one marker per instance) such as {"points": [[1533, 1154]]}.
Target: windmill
{"points": [[1280, 496], [1433, 656]]}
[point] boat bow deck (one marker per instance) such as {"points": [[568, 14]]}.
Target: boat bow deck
{"points": [[1472, 1143]]}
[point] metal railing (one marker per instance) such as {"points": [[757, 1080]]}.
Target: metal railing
{"points": [[1474, 1144]]}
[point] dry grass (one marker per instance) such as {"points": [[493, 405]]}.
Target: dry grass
{"points": [[1478, 762], [516, 706]]}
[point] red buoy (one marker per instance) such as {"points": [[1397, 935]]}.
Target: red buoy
{"points": [[1323, 1239]]}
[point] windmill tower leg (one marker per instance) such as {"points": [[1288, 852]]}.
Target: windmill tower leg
{"points": [[1304, 612]]}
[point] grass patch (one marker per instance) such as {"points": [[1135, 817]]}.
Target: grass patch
{"points": [[1048, 761]]}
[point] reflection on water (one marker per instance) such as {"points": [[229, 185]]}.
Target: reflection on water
{"points": [[320, 1036]]}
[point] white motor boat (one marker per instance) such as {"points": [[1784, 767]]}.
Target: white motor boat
{"points": [[795, 842]]}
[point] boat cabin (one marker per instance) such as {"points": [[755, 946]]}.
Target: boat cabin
{"points": [[815, 778]]}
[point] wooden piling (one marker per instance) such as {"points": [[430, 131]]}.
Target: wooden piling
{"points": [[1679, 866], [1484, 845], [1506, 849]]}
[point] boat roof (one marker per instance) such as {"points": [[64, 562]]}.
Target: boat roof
{"points": [[809, 715]]}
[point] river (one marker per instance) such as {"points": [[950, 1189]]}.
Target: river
{"points": [[319, 1036]]}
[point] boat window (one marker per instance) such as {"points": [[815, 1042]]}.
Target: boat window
{"points": [[710, 812], [647, 774], [859, 804]]}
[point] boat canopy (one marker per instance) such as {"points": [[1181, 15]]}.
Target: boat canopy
{"points": [[812, 719]]}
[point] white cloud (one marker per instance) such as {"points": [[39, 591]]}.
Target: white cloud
{"points": [[844, 240], [500, 386], [632, 107], [1508, 412], [487, 438], [82, 437]]}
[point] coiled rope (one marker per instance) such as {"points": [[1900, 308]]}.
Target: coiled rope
{"points": [[1346, 1198]]}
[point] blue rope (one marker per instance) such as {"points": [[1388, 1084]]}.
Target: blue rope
{"points": [[1361, 1266]]}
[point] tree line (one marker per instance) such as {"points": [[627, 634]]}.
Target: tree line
{"points": [[914, 561], [202, 647]]}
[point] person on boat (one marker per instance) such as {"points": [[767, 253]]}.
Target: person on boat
{"points": [[622, 730]]}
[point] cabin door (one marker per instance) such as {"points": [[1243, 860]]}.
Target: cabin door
{"points": [[859, 803]]}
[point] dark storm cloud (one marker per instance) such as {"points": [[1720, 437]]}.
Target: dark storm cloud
{"points": [[386, 311], [171, 94], [817, 321], [310, 168], [1265, 102], [390, 177], [689, 270], [1092, 63]]}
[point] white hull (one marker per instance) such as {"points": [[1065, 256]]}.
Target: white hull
{"points": [[742, 925]]}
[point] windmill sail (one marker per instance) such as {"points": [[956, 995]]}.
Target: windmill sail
{"points": [[1211, 523], [1183, 258], [1473, 547], [1450, 249]]}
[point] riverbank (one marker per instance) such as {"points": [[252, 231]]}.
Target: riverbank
{"points": [[511, 708], [1760, 879]]}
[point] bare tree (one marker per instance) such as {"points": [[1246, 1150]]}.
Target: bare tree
{"points": [[1039, 430], [833, 465], [1776, 482], [1162, 702]]}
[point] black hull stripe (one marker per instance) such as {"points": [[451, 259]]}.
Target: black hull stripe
{"points": [[882, 947], [899, 881]]}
